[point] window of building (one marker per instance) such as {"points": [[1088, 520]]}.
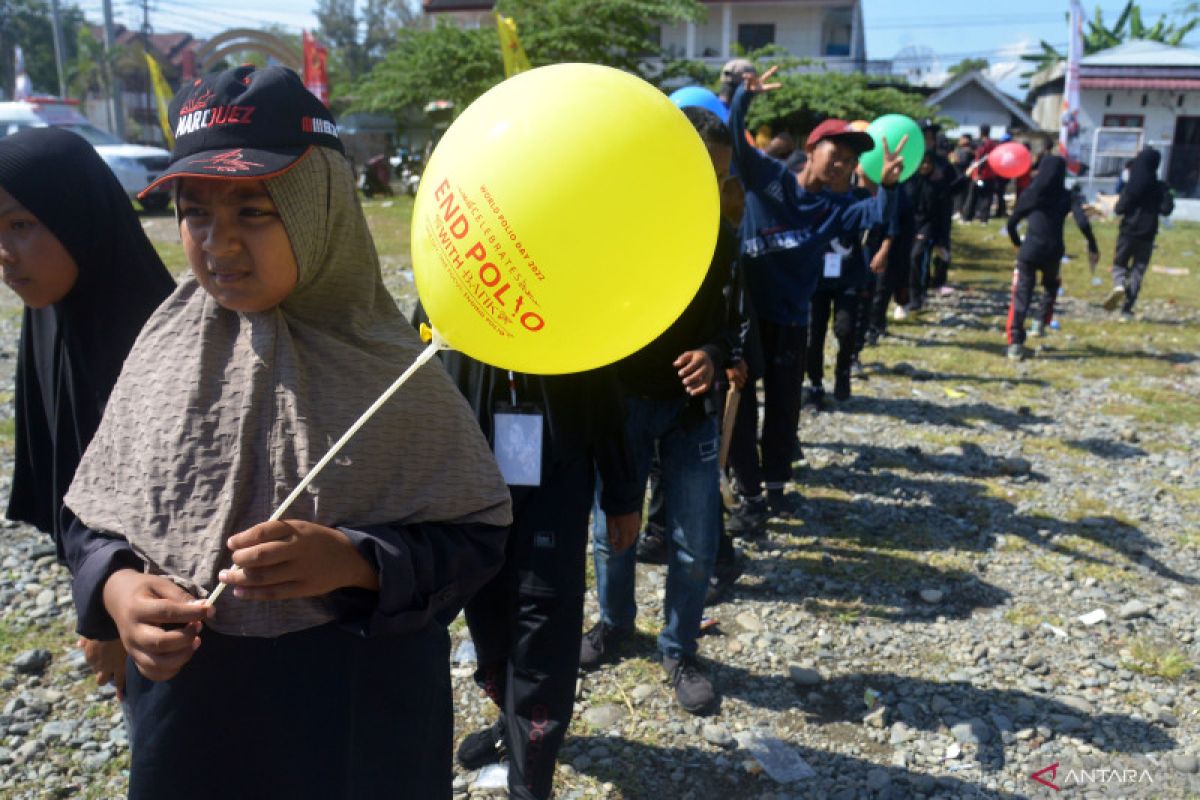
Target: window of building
{"points": [[1123, 120], [754, 36], [837, 32]]}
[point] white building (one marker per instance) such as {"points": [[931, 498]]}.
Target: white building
{"points": [[1131, 96], [828, 31], [972, 101]]}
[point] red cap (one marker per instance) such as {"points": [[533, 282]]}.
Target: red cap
{"points": [[842, 131]]}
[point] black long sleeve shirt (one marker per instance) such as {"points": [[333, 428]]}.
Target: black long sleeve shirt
{"points": [[1043, 242]]}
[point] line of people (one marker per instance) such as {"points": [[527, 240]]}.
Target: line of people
{"points": [[179, 416]]}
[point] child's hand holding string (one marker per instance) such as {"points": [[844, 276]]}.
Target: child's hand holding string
{"points": [[291, 559], [158, 621]]}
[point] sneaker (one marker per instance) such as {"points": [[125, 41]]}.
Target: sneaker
{"points": [[748, 518], [873, 337], [484, 747], [779, 504], [1115, 298], [598, 644], [652, 547], [1126, 316], [856, 369], [899, 313], [1037, 328], [841, 387], [725, 575], [693, 689], [1016, 352]]}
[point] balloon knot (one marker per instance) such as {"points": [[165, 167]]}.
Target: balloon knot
{"points": [[426, 333]]}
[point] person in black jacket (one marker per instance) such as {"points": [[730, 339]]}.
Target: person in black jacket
{"points": [[925, 193], [670, 411], [1045, 204], [1142, 200]]}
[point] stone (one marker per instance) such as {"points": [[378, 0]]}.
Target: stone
{"points": [[901, 733], [878, 780], [32, 662], [717, 735], [642, 692], [1033, 661], [1133, 609], [604, 717], [877, 718], [973, 731], [58, 729], [931, 596], [1077, 704], [804, 676], [749, 622], [1186, 763]]}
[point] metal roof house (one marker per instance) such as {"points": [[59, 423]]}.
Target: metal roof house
{"points": [[1134, 95], [971, 100]]}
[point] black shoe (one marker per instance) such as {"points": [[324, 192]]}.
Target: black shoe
{"points": [[484, 747], [725, 575], [873, 337], [841, 387], [598, 644], [857, 370], [748, 518], [652, 547], [779, 504], [693, 689], [816, 401]]}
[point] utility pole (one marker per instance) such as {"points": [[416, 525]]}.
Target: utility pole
{"points": [[116, 111], [146, 49], [58, 48]]}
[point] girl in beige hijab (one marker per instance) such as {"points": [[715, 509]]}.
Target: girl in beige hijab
{"points": [[323, 673]]}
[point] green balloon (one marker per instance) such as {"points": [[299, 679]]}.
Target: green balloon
{"points": [[893, 127]]}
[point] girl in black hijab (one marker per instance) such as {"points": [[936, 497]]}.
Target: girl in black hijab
{"points": [[1045, 204], [1142, 200], [73, 250]]}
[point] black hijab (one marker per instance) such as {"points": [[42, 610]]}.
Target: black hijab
{"points": [[1048, 190], [71, 352], [1143, 177]]}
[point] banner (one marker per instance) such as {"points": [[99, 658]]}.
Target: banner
{"points": [[511, 51], [162, 96], [1068, 135], [316, 68]]}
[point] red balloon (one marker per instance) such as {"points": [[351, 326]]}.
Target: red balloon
{"points": [[1010, 160]]}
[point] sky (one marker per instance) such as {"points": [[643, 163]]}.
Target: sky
{"points": [[934, 33]]}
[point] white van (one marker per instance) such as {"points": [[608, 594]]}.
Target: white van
{"points": [[134, 165]]}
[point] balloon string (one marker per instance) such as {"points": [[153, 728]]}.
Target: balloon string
{"points": [[436, 343]]}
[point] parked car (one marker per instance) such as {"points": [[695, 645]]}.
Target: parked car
{"points": [[135, 165]]}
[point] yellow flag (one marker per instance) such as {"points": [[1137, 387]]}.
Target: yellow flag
{"points": [[162, 95], [511, 51]]}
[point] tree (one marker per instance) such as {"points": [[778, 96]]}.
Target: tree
{"points": [[806, 98], [1098, 36], [968, 65], [27, 23], [446, 62], [357, 42]]}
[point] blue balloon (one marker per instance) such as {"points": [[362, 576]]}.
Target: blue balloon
{"points": [[699, 96]]}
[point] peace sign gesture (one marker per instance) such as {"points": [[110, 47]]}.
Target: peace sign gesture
{"points": [[757, 83], [893, 162]]}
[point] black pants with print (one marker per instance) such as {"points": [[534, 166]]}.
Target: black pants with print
{"points": [[1130, 263], [527, 623], [1024, 278]]}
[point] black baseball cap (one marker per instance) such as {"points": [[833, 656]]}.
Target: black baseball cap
{"points": [[245, 123]]}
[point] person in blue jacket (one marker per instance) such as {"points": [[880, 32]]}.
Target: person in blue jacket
{"points": [[786, 231]]}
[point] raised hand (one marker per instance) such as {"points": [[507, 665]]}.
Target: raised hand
{"points": [[893, 162], [757, 83]]}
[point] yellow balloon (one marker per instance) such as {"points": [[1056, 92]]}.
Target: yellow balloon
{"points": [[564, 221]]}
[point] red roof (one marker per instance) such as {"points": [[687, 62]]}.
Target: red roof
{"points": [[1178, 84]]}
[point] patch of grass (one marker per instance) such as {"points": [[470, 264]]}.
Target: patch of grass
{"points": [[1157, 659], [847, 612], [1030, 616]]}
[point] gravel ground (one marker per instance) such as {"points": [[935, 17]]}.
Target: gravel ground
{"points": [[915, 632]]}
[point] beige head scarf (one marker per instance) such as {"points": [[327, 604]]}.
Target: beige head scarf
{"points": [[218, 414]]}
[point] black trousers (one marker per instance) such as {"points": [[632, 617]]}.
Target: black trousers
{"points": [[321, 714], [527, 623], [1130, 263], [920, 260], [1024, 278], [784, 349], [840, 305], [981, 203]]}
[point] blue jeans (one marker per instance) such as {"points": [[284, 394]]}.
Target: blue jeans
{"points": [[692, 503]]}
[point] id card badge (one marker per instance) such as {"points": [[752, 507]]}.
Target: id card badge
{"points": [[833, 265], [517, 443]]}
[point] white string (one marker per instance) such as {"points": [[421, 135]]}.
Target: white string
{"points": [[437, 343]]}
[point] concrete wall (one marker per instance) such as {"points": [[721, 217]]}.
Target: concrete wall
{"points": [[799, 27]]}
